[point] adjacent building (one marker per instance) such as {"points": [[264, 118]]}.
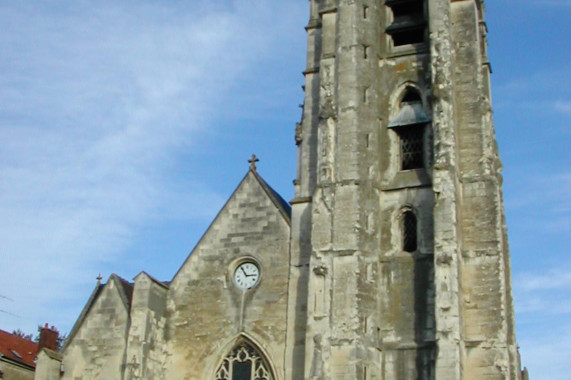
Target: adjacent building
{"points": [[19, 355]]}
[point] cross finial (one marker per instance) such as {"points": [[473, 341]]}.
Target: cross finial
{"points": [[252, 162], [99, 278]]}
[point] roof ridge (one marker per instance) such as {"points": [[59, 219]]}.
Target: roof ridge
{"points": [[283, 206], [126, 289], [162, 283]]}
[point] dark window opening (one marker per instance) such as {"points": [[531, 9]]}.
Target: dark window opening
{"points": [[244, 362], [242, 371], [410, 9], [411, 96], [409, 241], [407, 37], [411, 139], [409, 22]]}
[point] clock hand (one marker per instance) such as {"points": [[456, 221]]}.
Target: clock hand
{"points": [[245, 274]]}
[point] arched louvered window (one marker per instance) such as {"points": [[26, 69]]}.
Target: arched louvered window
{"points": [[409, 232], [410, 125], [244, 362]]}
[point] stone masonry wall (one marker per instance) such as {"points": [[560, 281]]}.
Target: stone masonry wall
{"points": [[48, 365], [206, 313], [146, 344], [15, 372], [487, 323], [97, 350]]}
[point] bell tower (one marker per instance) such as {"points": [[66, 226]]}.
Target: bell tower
{"points": [[399, 257]]}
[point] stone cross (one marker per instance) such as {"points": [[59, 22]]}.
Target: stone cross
{"points": [[252, 162]]}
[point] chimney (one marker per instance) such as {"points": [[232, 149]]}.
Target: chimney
{"points": [[48, 338]]}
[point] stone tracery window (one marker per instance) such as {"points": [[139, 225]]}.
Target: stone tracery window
{"points": [[244, 362]]}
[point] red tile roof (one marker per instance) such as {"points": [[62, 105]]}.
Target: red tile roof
{"points": [[18, 349]]}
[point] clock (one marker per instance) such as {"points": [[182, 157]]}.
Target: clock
{"points": [[246, 275]]}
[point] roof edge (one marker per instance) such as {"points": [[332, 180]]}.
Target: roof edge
{"points": [[282, 206], [92, 298], [158, 282], [91, 301]]}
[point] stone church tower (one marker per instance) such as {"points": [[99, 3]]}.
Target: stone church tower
{"points": [[392, 261], [398, 226]]}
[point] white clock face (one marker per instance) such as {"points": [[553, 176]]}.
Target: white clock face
{"points": [[246, 275]]}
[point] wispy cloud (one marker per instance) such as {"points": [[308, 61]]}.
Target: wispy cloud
{"points": [[549, 106], [543, 306], [542, 94], [546, 353], [544, 80], [551, 188], [544, 198], [99, 99], [546, 307], [556, 279], [547, 3], [563, 106]]}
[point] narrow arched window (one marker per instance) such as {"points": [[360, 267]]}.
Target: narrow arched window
{"points": [[409, 233], [244, 362]]}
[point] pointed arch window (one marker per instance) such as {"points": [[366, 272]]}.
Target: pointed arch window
{"points": [[244, 362], [409, 232], [410, 125]]}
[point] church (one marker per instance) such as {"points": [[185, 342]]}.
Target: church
{"points": [[390, 262]]}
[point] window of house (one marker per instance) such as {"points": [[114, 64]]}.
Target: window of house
{"points": [[409, 232], [244, 362], [409, 22]]}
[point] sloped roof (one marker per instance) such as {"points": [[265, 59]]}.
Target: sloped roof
{"points": [[51, 354], [164, 284], [282, 205], [125, 289], [18, 349]]}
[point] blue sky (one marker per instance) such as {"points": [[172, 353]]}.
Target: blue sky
{"points": [[125, 125]]}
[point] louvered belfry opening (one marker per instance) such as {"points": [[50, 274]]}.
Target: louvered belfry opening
{"points": [[409, 22], [410, 125], [411, 147]]}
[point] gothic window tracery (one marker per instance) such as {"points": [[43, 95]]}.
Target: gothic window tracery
{"points": [[244, 362]]}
